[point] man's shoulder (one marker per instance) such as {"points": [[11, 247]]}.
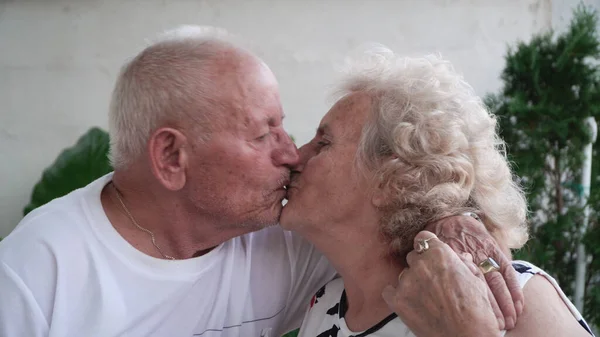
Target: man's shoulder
{"points": [[275, 247], [55, 225]]}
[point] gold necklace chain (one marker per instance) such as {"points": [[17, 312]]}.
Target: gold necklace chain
{"points": [[138, 226]]}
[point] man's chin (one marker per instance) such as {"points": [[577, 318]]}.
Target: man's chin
{"points": [[266, 219], [261, 224]]}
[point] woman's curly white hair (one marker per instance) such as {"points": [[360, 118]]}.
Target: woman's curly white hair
{"points": [[434, 147]]}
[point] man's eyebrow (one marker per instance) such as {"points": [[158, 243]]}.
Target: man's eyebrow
{"points": [[271, 120]]}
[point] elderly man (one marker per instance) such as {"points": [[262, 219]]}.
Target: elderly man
{"points": [[179, 239]]}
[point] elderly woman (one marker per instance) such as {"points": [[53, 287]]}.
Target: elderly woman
{"points": [[408, 143]]}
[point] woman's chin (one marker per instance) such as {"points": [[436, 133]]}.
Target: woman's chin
{"points": [[288, 217], [284, 219]]}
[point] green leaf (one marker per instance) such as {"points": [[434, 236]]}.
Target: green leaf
{"points": [[291, 334], [75, 167]]}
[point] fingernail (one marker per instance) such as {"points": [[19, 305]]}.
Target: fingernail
{"points": [[510, 323], [519, 307], [501, 323]]}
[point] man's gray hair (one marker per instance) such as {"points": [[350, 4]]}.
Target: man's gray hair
{"points": [[168, 83], [433, 145]]}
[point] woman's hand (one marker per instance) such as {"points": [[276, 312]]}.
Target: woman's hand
{"points": [[441, 294], [467, 236]]}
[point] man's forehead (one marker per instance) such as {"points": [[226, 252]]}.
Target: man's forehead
{"points": [[270, 118], [243, 121], [254, 110]]}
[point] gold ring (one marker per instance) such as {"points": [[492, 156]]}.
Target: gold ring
{"points": [[423, 245], [488, 265]]}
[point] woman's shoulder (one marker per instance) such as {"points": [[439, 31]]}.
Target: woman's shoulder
{"points": [[526, 270], [545, 293], [329, 293], [526, 267], [322, 314]]}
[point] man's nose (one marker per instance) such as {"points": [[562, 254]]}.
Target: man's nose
{"points": [[287, 152]]}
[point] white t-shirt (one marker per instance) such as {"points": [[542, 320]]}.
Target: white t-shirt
{"points": [[325, 314], [65, 271]]}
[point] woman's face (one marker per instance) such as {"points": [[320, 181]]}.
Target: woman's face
{"points": [[327, 192]]}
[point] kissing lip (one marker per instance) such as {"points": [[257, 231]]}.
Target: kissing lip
{"points": [[290, 187], [283, 188]]}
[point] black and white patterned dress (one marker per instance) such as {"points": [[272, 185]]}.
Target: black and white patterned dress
{"points": [[325, 315]]}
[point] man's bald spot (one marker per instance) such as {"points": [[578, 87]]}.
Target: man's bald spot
{"points": [[242, 79], [209, 79]]}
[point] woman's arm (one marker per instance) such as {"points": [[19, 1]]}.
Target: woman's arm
{"points": [[545, 313]]}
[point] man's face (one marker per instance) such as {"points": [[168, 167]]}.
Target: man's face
{"points": [[328, 190], [239, 175]]}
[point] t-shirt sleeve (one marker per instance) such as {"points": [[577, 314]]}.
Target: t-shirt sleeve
{"points": [[20, 314], [310, 271]]}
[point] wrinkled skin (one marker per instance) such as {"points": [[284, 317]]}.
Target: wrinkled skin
{"points": [[442, 294], [466, 235]]}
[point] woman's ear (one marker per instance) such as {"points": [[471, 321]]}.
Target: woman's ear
{"points": [[378, 199], [382, 193]]}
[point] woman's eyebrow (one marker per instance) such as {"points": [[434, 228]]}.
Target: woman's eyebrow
{"points": [[323, 128]]}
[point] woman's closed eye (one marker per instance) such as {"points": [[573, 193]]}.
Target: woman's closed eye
{"points": [[322, 144]]}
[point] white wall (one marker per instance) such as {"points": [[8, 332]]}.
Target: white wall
{"points": [[58, 59]]}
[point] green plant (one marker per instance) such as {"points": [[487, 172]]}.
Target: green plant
{"points": [[75, 167], [551, 84], [291, 334]]}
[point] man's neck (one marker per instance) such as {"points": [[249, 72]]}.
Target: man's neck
{"points": [[363, 263], [177, 233]]}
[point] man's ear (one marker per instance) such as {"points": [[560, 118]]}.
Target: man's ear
{"points": [[169, 157]]}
